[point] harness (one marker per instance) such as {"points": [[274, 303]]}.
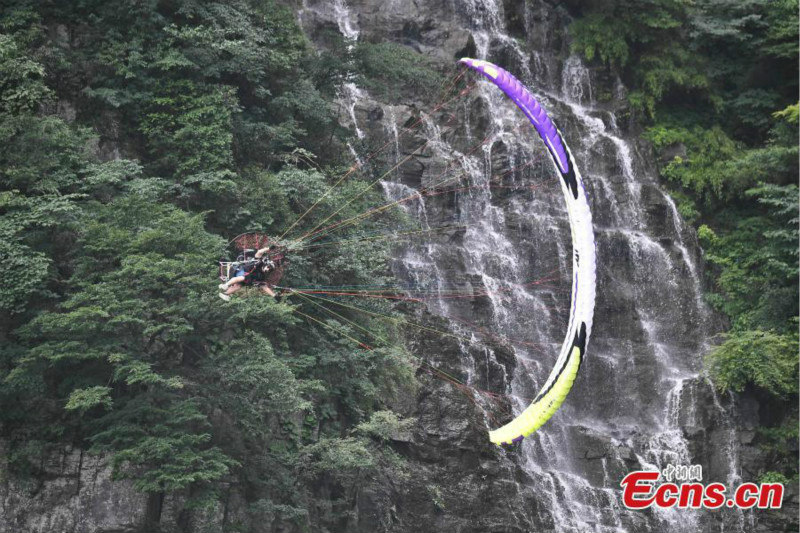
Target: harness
{"points": [[267, 269]]}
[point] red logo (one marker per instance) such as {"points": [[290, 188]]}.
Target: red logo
{"points": [[640, 490]]}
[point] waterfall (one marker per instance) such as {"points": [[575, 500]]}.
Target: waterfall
{"points": [[641, 382]]}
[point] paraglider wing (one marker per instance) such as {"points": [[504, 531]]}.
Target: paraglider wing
{"points": [[559, 382]]}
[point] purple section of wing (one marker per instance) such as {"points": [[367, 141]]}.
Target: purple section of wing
{"points": [[518, 439], [528, 104]]}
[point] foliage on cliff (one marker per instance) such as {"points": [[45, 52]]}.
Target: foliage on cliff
{"points": [[134, 138]]}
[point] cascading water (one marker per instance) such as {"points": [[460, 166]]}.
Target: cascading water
{"points": [[656, 439], [638, 387], [349, 93]]}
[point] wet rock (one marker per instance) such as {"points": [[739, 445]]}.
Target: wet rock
{"points": [[75, 493], [625, 453], [677, 150], [746, 437]]}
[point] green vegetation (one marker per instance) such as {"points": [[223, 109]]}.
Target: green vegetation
{"points": [[773, 477], [717, 85], [390, 70], [763, 358], [644, 40], [134, 139]]}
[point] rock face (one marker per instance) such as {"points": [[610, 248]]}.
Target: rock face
{"points": [[640, 400], [75, 493]]}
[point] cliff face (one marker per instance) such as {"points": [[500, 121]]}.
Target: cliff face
{"points": [[640, 401], [74, 493]]}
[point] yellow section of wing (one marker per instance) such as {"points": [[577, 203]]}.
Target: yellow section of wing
{"points": [[540, 411], [487, 67]]}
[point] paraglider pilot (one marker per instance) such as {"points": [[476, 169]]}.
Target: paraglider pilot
{"points": [[253, 270]]}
